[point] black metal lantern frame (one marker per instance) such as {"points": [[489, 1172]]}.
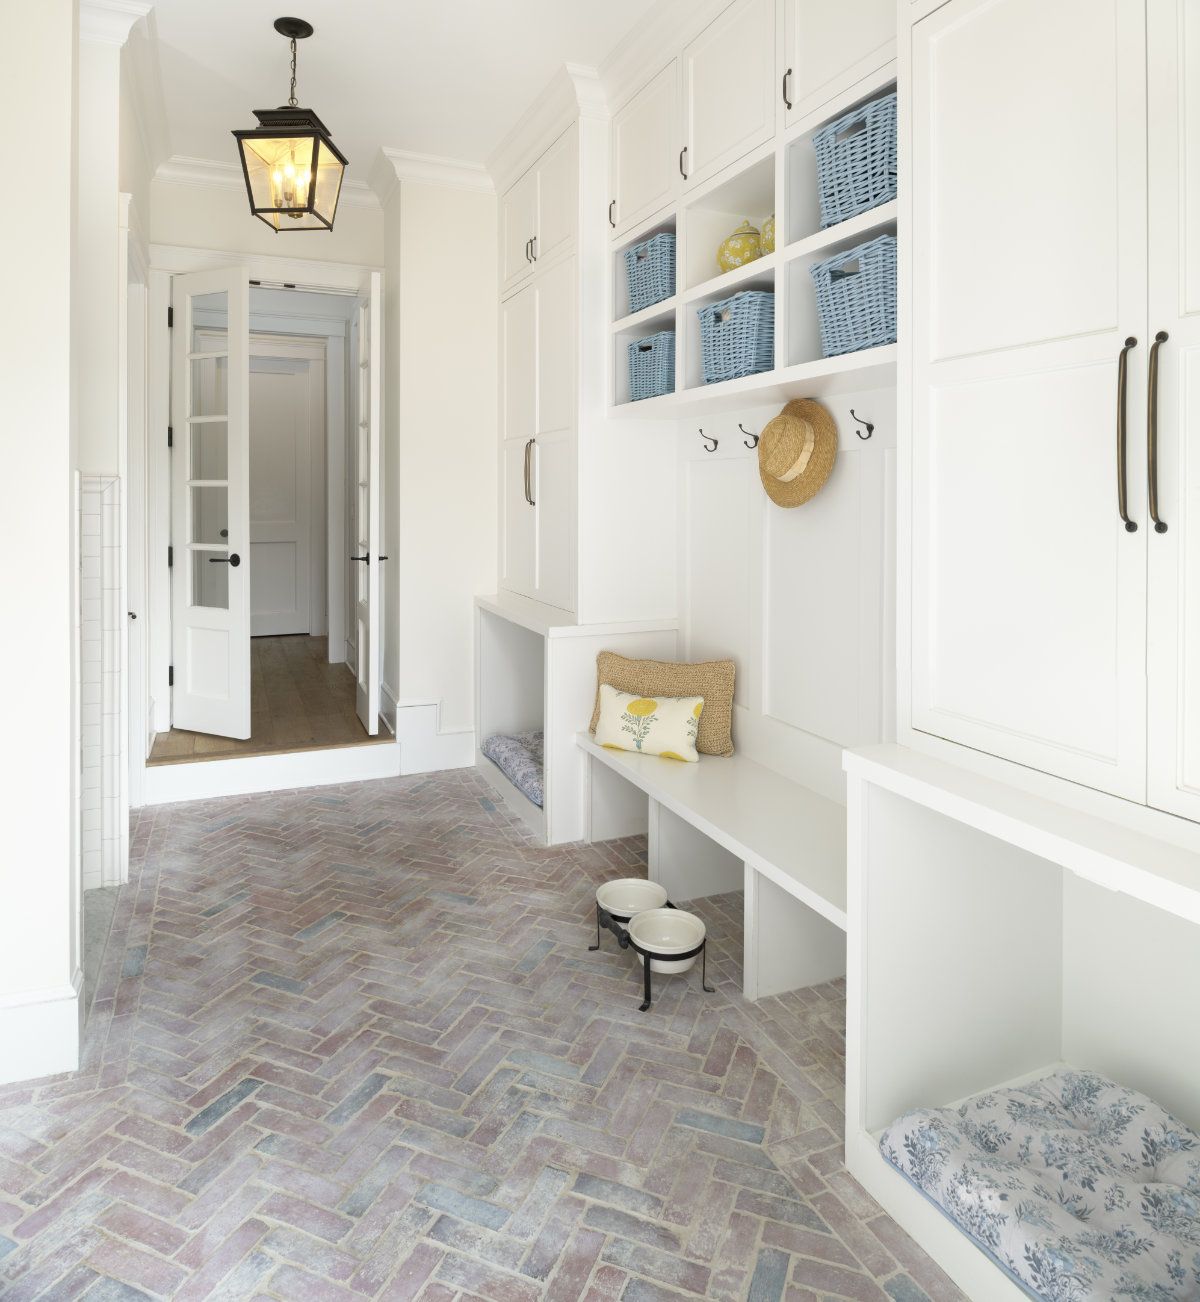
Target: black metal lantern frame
{"points": [[292, 169]]}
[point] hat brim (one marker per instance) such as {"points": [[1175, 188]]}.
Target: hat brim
{"points": [[812, 479]]}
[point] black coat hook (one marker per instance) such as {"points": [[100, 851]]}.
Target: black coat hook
{"points": [[867, 423], [709, 438], [751, 440]]}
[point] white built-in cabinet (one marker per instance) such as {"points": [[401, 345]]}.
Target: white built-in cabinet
{"points": [[1054, 623], [863, 34], [645, 145], [538, 215], [728, 89]]}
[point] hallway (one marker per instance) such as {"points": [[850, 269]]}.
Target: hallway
{"points": [[349, 1043], [298, 701]]}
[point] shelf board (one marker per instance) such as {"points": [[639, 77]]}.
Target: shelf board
{"points": [[636, 319], [852, 227], [874, 368], [728, 281]]}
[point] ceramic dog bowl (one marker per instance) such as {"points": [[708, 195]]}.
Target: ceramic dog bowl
{"points": [[664, 932], [629, 895]]}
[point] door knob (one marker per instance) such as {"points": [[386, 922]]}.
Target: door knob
{"points": [[233, 559]]}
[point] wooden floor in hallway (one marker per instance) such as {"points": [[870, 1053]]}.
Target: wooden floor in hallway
{"points": [[349, 1045], [298, 701]]}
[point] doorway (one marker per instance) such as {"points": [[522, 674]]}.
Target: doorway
{"points": [[286, 371]]}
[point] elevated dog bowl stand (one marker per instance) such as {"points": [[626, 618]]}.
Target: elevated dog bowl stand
{"points": [[616, 923]]}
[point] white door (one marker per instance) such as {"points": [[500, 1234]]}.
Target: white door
{"points": [[645, 149], [551, 477], [287, 406], [557, 197], [1174, 571], [210, 507], [518, 221], [1028, 267], [829, 47], [367, 533], [729, 88], [518, 517]]}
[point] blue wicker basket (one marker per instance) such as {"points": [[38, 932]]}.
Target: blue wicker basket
{"points": [[856, 160], [737, 336], [652, 365], [650, 269], [856, 297]]}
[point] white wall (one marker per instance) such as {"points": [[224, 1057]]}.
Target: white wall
{"points": [[213, 217], [441, 431], [801, 598], [38, 957]]}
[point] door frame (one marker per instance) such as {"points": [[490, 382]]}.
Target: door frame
{"points": [[153, 714]]}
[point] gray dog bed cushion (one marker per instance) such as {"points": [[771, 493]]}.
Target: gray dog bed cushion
{"points": [[520, 756], [1077, 1187]]}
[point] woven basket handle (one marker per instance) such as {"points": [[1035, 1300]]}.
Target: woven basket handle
{"points": [[857, 127]]}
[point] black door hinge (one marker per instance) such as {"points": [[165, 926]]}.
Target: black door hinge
{"points": [[170, 557], [170, 317], [170, 437], [170, 675]]}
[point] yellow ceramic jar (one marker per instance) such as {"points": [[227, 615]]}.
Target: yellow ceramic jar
{"points": [[744, 245], [768, 235]]}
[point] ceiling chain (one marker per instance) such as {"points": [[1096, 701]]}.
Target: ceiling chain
{"points": [[292, 97]]}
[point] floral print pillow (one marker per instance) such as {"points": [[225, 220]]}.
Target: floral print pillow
{"points": [[1075, 1186], [662, 725]]}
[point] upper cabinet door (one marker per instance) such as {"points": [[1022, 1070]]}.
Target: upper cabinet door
{"points": [[558, 197], [1173, 32], [729, 88], [518, 223], [1027, 276], [645, 151], [832, 46]]}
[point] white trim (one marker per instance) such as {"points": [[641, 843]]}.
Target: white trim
{"points": [[206, 779], [574, 92], [40, 1032], [109, 22], [298, 273], [214, 174], [394, 165], [424, 746]]}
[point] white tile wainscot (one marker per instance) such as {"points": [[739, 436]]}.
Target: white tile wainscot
{"points": [[732, 824], [994, 936]]}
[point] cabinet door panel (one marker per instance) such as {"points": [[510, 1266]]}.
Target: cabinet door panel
{"points": [[556, 335], [1028, 595], [518, 520], [831, 46], [646, 141], [558, 196], [518, 220], [1174, 571], [729, 87], [553, 476], [518, 364]]}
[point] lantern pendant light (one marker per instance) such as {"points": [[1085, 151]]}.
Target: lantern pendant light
{"points": [[293, 170]]}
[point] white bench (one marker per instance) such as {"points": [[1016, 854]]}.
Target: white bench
{"points": [[731, 824]]}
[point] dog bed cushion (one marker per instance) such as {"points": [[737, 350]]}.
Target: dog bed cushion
{"points": [[520, 757], [1077, 1187]]}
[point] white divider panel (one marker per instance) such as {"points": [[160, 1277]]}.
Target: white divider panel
{"points": [[787, 944], [689, 864]]}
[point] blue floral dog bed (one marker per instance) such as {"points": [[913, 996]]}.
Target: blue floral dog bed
{"points": [[1076, 1187], [520, 758]]}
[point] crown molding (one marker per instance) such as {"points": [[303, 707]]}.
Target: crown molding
{"points": [[212, 174], [141, 74], [109, 22], [395, 165], [574, 92]]}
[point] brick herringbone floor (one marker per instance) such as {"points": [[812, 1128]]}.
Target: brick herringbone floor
{"points": [[350, 1044]]}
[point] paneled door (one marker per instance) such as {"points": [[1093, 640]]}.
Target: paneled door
{"points": [[210, 505], [1173, 60], [1029, 324], [367, 533]]}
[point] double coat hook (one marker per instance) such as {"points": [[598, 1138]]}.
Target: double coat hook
{"points": [[709, 438], [751, 440]]}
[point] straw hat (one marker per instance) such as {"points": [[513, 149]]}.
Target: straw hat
{"points": [[796, 452]]}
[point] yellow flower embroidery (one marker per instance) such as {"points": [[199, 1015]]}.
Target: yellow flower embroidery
{"points": [[642, 706]]}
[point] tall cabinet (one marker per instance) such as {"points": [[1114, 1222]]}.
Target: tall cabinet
{"points": [[1053, 336]]}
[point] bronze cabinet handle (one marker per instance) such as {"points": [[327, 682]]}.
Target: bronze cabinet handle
{"points": [[611, 206], [787, 103], [528, 451], [1122, 489], [682, 152], [1160, 526]]}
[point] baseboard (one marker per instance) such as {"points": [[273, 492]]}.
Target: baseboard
{"points": [[166, 783], [39, 1030], [424, 748]]}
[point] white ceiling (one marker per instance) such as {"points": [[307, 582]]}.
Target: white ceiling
{"points": [[449, 78]]}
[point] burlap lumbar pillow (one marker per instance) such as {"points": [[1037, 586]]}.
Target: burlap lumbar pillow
{"points": [[711, 679]]}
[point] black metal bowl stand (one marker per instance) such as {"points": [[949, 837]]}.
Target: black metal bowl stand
{"points": [[617, 923]]}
